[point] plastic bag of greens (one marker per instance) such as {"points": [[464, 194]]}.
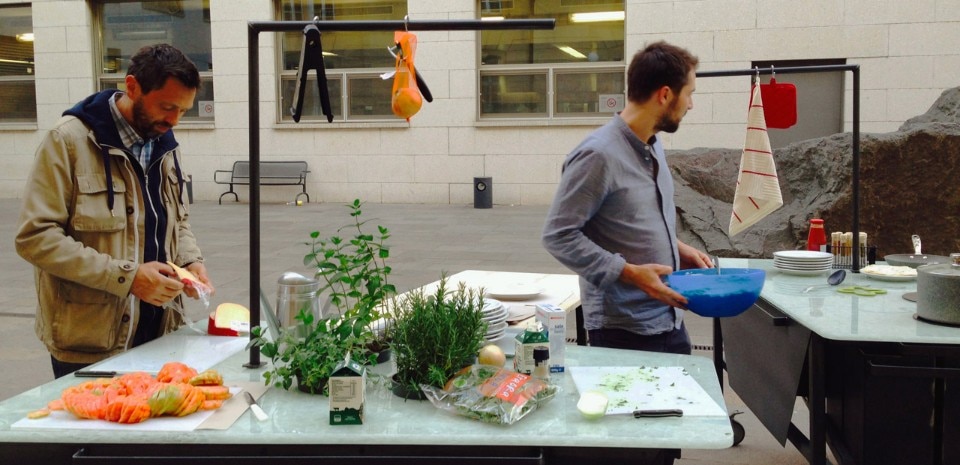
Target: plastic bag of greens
{"points": [[491, 394]]}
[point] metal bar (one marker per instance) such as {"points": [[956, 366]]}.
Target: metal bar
{"points": [[776, 317], [254, 28], [718, 363], [936, 373], [855, 267], [785, 69], [855, 165], [400, 25], [253, 94], [816, 364]]}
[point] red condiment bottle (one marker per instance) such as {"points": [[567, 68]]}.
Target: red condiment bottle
{"points": [[816, 237]]}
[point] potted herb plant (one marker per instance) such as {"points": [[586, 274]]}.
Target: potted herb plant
{"points": [[434, 335], [354, 272]]}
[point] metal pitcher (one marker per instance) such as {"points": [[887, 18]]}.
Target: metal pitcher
{"points": [[294, 293]]}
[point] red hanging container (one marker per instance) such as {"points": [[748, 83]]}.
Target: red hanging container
{"points": [[779, 104]]}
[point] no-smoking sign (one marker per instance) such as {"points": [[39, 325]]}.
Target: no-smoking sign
{"points": [[611, 102], [206, 108]]}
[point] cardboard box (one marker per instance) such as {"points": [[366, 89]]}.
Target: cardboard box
{"points": [[554, 320], [532, 337], [346, 387]]}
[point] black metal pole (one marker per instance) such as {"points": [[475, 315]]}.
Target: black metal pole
{"points": [[855, 267], [253, 64], [400, 25], [855, 165], [254, 28]]}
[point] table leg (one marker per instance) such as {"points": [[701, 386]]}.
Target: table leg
{"points": [[817, 405]]}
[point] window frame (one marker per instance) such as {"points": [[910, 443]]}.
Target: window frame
{"points": [[551, 70], [104, 79], [27, 79], [283, 117]]}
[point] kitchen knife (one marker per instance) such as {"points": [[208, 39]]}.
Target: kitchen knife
{"points": [[94, 374], [675, 412], [255, 408]]}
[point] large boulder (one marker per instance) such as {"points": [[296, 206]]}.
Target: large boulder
{"points": [[909, 184]]}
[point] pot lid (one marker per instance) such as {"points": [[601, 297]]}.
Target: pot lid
{"points": [[951, 269]]}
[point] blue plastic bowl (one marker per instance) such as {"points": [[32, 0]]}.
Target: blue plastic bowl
{"points": [[708, 294]]}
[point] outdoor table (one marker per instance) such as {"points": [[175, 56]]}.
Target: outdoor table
{"points": [[394, 430], [881, 386]]}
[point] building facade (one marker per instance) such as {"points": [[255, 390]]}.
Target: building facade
{"points": [[506, 104]]}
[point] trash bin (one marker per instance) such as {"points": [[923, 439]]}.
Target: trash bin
{"points": [[482, 192]]}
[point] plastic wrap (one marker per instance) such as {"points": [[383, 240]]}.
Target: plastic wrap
{"points": [[491, 394]]}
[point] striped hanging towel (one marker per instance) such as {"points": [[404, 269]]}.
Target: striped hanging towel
{"points": [[758, 189]]}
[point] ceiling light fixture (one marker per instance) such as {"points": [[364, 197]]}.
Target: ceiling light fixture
{"points": [[492, 18], [597, 16], [571, 51], [25, 37]]}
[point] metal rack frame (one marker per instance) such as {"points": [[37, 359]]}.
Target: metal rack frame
{"points": [[855, 165], [254, 28], [813, 447]]}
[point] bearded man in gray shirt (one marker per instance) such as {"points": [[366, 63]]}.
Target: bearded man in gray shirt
{"points": [[613, 220]]}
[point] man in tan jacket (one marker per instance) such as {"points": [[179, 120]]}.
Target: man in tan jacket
{"points": [[103, 213]]}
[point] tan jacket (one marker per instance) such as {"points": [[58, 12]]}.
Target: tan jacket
{"points": [[86, 255]]}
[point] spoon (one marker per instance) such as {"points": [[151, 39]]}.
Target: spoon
{"points": [[835, 278], [716, 263]]}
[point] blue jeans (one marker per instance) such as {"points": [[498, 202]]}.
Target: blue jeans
{"points": [[676, 341]]}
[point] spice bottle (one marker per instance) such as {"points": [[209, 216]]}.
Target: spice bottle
{"points": [[816, 238], [541, 360]]}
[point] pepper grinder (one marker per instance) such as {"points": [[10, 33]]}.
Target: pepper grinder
{"points": [[541, 359]]}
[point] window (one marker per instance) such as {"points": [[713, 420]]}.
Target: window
{"points": [[353, 61], [570, 71], [128, 25], [18, 96]]}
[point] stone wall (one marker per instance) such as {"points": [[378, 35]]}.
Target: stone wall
{"points": [[909, 184]]}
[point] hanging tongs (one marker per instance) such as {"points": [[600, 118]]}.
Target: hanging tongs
{"points": [[397, 52], [311, 57]]}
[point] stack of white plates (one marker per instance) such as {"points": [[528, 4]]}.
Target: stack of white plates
{"points": [[802, 262], [495, 315]]}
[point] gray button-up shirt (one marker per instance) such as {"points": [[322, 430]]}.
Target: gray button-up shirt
{"points": [[614, 205]]}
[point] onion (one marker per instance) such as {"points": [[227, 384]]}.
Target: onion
{"points": [[592, 405]]}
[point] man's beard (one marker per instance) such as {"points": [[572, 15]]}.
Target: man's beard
{"points": [[667, 123], [145, 127]]}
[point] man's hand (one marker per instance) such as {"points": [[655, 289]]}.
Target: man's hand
{"points": [[200, 271], [693, 258], [647, 278], [156, 283]]}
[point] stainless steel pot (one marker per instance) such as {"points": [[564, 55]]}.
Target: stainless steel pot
{"points": [[938, 291]]}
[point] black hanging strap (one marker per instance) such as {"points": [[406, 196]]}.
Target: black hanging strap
{"points": [[311, 57]]}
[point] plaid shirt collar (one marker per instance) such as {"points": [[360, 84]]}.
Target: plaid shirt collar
{"points": [[131, 140]]}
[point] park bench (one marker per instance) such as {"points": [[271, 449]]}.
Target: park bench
{"points": [[272, 173]]}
